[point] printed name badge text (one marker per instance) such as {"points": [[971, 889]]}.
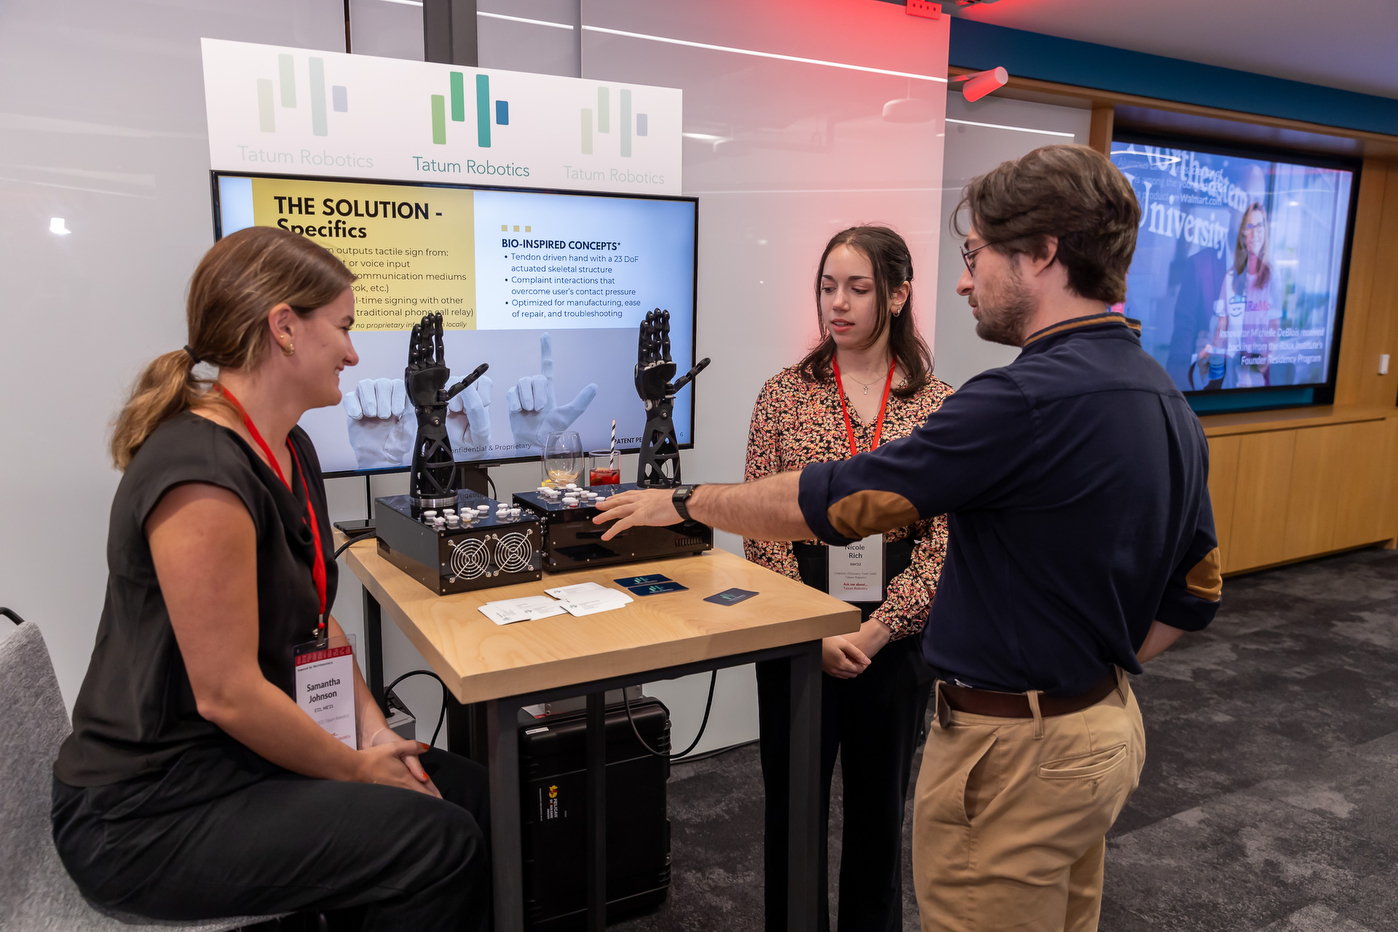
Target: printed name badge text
{"points": [[856, 571], [325, 690]]}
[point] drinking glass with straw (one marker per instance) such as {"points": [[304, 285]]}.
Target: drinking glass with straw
{"points": [[605, 467]]}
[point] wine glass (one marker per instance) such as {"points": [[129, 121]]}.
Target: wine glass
{"points": [[563, 456]]}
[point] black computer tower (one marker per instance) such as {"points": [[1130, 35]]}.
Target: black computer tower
{"points": [[553, 791]]}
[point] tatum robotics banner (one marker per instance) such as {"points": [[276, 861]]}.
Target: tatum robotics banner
{"points": [[286, 111]]}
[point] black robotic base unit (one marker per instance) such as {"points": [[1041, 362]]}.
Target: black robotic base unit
{"points": [[572, 541], [490, 548], [553, 810]]}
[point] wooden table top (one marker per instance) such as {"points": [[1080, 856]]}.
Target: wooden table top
{"points": [[480, 660]]}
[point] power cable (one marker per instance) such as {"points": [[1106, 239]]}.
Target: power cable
{"points": [[441, 716], [713, 680]]}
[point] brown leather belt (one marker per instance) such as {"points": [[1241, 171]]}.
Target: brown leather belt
{"points": [[1016, 705]]}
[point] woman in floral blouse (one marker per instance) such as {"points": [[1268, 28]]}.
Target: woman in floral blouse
{"points": [[876, 685]]}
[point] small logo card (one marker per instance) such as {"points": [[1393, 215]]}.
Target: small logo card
{"points": [[630, 581], [657, 588], [730, 596]]}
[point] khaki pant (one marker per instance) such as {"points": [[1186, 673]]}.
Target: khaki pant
{"points": [[1011, 815]]}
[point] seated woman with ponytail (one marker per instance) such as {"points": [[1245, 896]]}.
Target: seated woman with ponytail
{"points": [[193, 786]]}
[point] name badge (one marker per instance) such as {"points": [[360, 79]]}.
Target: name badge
{"points": [[856, 571], [325, 687]]}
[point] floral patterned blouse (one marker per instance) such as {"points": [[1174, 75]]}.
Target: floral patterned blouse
{"points": [[795, 423]]}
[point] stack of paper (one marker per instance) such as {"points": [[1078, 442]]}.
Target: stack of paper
{"points": [[512, 610], [589, 598]]}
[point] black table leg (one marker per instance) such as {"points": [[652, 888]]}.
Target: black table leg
{"points": [[506, 849], [803, 862], [372, 649], [596, 811]]}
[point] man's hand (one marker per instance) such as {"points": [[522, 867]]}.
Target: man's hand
{"points": [[468, 421], [381, 424], [534, 409], [841, 659], [767, 509], [643, 507], [392, 761]]}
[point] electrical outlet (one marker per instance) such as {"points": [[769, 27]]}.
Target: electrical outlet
{"points": [[924, 9]]}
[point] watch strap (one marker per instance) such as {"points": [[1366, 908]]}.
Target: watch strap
{"points": [[680, 499]]}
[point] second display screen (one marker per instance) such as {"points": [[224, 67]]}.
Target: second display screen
{"points": [[549, 289]]}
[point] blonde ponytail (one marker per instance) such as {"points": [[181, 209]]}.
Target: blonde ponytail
{"points": [[165, 388], [244, 276]]}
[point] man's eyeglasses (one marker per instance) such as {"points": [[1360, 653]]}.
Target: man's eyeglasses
{"points": [[966, 257]]}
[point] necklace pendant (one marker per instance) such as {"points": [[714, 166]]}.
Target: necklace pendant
{"points": [[866, 389]]}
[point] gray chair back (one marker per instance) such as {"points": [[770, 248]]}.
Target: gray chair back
{"points": [[36, 892]]}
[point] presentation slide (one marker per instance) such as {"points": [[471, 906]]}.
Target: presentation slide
{"points": [[549, 289], [1236, 277]]}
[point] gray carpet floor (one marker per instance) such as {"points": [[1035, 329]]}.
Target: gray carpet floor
{"points": [[1269, 801]]}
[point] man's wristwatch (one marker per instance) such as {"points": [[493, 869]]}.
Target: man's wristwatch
{"points": [[680, 498]]}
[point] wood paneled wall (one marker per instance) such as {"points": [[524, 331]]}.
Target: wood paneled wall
{"points": [[1291, 485]]}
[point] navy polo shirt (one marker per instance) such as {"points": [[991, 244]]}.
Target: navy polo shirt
{"points": [[1075, 484]]}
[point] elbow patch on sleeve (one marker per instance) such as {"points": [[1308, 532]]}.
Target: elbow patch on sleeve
{"points": [[870, 511], [1205, 581]]}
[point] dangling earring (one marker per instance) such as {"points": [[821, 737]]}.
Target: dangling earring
{"points": [[289, 349]]}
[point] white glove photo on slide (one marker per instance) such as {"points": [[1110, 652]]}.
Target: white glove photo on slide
{"points": [[534, 410], [468, 421], [381, 423]]}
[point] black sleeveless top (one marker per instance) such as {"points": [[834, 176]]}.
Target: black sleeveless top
{"points": [[136, 713]]}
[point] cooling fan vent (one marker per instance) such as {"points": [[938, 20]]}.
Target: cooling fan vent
{"points": [[470, 559], [513, 552]]}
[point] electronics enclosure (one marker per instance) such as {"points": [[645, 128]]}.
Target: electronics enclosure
{"points": [[572, 541], [553, 815], [427, 554]]}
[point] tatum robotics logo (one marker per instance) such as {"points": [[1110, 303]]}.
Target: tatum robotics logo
{"points": [[458, 110], [286, 85], [601, 121]]}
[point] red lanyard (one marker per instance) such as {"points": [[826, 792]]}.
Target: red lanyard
{"points": [[883, 407], [318, 561]]}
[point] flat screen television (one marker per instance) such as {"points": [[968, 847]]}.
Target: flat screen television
{"points": [[547, 287], [1240, 267]]}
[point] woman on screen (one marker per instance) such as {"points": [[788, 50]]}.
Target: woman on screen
{"points": [[1247, 313], [868, 381], [194, 785]]}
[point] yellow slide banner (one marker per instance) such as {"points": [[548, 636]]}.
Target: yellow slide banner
{"points": [[412, 247]]}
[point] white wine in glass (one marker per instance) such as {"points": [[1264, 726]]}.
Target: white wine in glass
{"points": [[563, 456]]}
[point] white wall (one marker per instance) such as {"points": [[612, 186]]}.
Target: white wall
{"points": [[102, 124], [781, 154], [1009, 129]]}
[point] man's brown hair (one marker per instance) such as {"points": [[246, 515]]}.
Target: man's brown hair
{"points": [[1071, 192]]}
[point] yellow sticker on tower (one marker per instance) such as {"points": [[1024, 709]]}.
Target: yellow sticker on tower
{"points": [[412, 247]]}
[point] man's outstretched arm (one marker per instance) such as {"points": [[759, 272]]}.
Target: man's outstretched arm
{"points": [[767, 509]]}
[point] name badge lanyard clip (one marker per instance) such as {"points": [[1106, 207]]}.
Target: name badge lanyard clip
{"points": [[318, 575], [856, 572]]}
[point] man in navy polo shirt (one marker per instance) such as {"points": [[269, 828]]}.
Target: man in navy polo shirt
{"points": [[1081, 544]]}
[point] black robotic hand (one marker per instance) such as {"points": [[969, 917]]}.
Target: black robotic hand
{"points": [[426, 374], [659, 464], [654, 367], [433, 478]]}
